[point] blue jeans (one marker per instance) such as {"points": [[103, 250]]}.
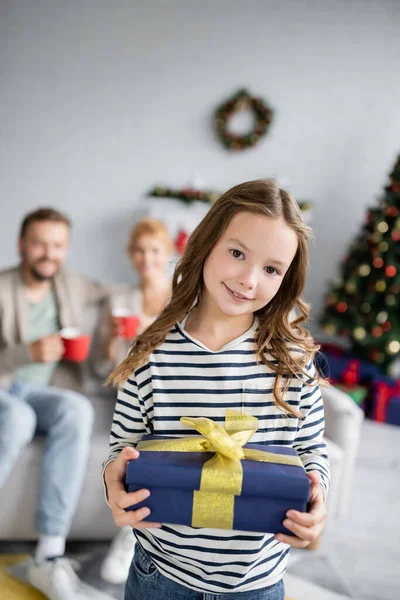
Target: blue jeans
{"points": [[145, 581], [65, 418]]}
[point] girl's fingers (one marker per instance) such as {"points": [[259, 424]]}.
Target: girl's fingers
{"points": [[302, 519], [148, 525], [132, 498], [316, 514], [120, 500], [292, 541], [304, 533], [131, 517], [315, 476], [135, 518], [310, 519]]}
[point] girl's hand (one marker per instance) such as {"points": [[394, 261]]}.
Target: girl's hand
{"points": [[119, 499], [306, 526]]}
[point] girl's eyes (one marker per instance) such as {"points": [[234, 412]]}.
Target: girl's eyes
{"points": [[236, 253], [239, 254], [271, 270]]}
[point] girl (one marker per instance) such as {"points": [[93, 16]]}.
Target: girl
{"points": [[149, 250], [225, 340]]}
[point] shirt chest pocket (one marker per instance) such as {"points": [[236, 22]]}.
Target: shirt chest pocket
{"points": [[275, 426]]}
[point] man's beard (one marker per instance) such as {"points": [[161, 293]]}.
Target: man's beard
{"points": [[39, 276]]}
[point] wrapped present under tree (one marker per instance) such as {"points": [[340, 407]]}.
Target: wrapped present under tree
{"points": [[386, 403]]}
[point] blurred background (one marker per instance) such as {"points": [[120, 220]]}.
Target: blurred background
{"points": [[101, 101]]}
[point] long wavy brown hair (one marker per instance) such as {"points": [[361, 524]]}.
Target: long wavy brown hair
{"points": [[278, 333]]}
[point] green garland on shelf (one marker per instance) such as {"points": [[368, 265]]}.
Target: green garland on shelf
{"points": [[189, 195], [242, 100]]}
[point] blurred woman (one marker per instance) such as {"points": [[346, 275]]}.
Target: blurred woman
{"points": [[149, 250]]}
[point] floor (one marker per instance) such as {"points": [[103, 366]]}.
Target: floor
{"points": [[359, 557]]}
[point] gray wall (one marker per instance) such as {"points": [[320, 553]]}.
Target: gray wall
{"points": [[100, 100]]}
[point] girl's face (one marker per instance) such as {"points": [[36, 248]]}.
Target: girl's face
{"points": [[246, 267], [149, 256]]}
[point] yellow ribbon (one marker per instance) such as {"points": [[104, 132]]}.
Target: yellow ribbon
{"points": [[222, 475]]}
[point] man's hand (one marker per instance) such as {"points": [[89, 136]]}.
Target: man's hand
{"points": [[119, 499], [47, 349], [306, 526]]}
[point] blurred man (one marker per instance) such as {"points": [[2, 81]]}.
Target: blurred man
{"points": [[39, 390]]}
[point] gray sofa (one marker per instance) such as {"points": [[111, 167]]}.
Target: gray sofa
{"points": [[93, 519]]}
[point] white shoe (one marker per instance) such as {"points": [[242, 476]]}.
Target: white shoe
{"points": [[115, 566], [57, 580]]}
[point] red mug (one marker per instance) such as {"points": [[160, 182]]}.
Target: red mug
{"points": [[128, 323], [76, 346]]}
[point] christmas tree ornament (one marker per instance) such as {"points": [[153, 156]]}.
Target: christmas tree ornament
{"points": [[341, 307], [390, 270], [377, 262], [390, 300], [380, 286], [393, 347], [383, 246], [364, 270], [359, 333], [377, 331], [351, 287], [382, 227], [382, 316], [392, 211]]}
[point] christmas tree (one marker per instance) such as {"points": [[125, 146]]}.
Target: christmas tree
{"points": [[363, 304]]}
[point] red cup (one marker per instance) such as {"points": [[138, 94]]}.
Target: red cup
{"points": [[76, 346], [127, 322]]}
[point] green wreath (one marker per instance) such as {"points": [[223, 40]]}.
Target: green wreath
{"points": [[239, 101]]}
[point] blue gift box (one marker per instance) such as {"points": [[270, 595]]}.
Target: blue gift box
{"points": [[269, 490], [393, 411]]}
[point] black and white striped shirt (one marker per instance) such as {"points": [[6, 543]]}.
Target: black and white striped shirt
{"points": [[185, 378]]}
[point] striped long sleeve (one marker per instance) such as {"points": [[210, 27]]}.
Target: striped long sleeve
{"points": [[309, 442]]}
